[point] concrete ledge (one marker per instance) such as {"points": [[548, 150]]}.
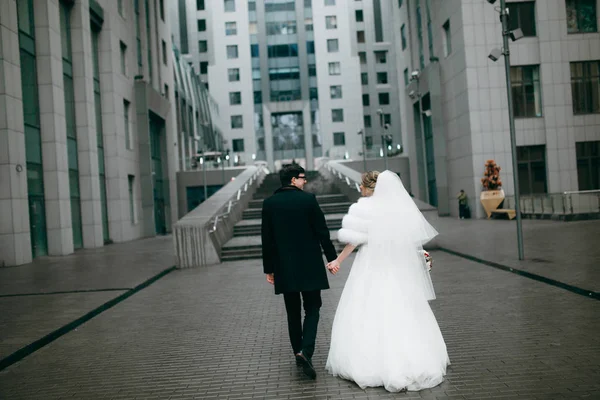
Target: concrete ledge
{"points": [[198, 240]]}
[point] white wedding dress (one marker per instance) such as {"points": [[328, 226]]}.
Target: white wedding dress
{"points": [[384, 332]]}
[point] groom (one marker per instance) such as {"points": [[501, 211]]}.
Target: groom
{"points": [[293, 232]]}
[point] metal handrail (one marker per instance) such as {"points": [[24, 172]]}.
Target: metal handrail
{"points": [[344, 177], [568, 202], [231, 203]]}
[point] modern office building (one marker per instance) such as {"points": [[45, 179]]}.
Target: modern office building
{"points": [[285, 73], [87, 128], [374, 30], [456, 104]]}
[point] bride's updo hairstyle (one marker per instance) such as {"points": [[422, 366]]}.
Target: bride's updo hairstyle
{"points": [[369, 179]]}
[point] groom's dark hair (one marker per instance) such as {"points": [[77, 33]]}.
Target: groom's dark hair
{"points": [[288, 172]]}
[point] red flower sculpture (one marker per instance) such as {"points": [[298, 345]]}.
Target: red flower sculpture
{"points": [[491, 176]]}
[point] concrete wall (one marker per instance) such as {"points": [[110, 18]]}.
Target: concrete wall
{"points": [[399, 165], [187, 179]]}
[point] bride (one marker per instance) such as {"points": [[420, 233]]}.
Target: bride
{"points": [[384, 332]]}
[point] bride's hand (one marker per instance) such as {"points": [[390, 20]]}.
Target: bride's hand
{"points": [[334, 266]]}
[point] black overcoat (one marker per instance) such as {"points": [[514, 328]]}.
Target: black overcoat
{"points": [[293, 232]]}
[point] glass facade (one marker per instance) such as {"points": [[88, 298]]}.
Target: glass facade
{"points": [[283, 50], [33, 140], [99, 131], [65, 33]]}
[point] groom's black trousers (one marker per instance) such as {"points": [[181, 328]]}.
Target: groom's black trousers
{"points": [[303, 338]]}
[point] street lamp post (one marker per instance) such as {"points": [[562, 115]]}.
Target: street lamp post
{"points": [[514, 35], [383, 145], [364, 149], [415, 77]]}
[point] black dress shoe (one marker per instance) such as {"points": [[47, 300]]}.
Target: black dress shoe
{"points": [[299, 360], [307, 366]]}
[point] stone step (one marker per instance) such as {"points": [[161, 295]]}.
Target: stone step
{"points": [[332, 219], [335, 208], [254, 230], [321, 198]]}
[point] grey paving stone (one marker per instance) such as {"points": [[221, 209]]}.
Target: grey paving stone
{"points": [[219, 332]]}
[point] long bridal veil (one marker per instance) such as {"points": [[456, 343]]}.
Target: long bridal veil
{"points": [[397, 234]]}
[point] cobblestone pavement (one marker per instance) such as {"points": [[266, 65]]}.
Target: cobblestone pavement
{"points": [[220, 333], [564, 251]]}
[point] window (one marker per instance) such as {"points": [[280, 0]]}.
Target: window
{"points": [[364, 78], [588, 165], [403, 36], [312, 70], [120, 7], [382, 78], [238, 145], [359, 15], [448, 38], [339, 139], [313, 93], [366, 100], [254, 50], [229, 5], [399, 3], [369, 142], [237, 122], [252, 28], [166, 91], [532, 169], [330, 2], [123, 58], [526, 91], [201, 25], [381, 57], [256, 74], [202, 46], [384, 99], [337, 115], [335, 68], [363, 57], [161, 5], [310, 47], [406, 78], [232, 51], [332, 46], [130, 184], [367, 121], [164, 52], [360, 36], [126, 124], [331, 22], [204, 67], [235, 98], [522, 15], [199, 5], [335, 91], [581, 16], [230, 28], [258, 97], [585, 87], [234, 74], [387, 119]]}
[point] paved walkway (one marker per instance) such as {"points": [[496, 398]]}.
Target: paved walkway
{"points": [[564, 251], [219, 332]]}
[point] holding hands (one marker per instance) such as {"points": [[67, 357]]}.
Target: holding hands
{"points": [[334, 266]]}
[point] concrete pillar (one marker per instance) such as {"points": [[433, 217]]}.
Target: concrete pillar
{"points": [[15, 240], [53, 127], [85, 118]]}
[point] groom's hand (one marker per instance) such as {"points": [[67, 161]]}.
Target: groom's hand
{"points": [[271, 278]]}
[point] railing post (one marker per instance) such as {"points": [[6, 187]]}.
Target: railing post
{"points": [[571, 201]]}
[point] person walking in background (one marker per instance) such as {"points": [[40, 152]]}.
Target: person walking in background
{"points": [[293, 232], [463, 205]]}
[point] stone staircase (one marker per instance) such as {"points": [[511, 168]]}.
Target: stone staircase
{"points": [[246, 241]]}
